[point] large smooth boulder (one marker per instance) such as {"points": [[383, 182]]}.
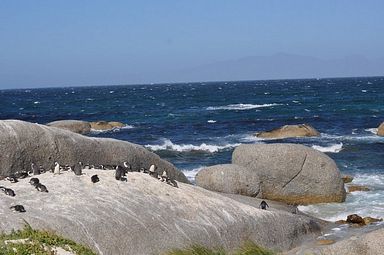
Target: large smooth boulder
{"points": [[104, 125], [22, 143], [380, 130], [292, 173], [147, 216], [77, 126], [229, 178], [301, 130]]}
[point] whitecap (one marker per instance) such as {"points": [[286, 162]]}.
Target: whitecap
{"points": [[334, 148], [115, 129], [36, 102], [364, 90], [372, 130], [240, 106], [211, 121], [111, 92], [169, 145], [191, 173]]}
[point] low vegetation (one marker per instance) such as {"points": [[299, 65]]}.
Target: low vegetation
{"points": [[248, 248], [30, 241]]}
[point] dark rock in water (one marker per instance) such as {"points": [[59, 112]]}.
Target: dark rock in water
{"points": [[355, 219], [229, 178], [301, 130], [292, 173], [77, 126], [22, 143], [380, 130], [353, 188], [347, 178]]}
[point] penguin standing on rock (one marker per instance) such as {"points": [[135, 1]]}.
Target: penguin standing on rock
{"points": [[56, 170], [263, 205], [35, 170], [152, 171], [11, 178], [164, 176], [78, 168], [40, 187], [120, 173], [34, 181]]}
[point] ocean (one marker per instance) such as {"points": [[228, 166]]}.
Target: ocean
{"points": [[194, 125]]}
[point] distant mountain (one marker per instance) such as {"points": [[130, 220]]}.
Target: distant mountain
{"points": [[282, 66]]}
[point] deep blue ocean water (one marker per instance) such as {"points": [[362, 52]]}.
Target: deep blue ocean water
{"points": [[198, 124]]}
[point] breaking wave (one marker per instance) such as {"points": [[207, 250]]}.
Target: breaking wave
{"points": [[334, 148], [240, 106], [169, 145]]}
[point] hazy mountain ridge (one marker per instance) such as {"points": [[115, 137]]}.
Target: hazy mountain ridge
{"points": [[283, 66]]}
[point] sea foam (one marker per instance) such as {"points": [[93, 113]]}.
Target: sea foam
{"points": [[169, 145], [240, 106], [334, 148]]}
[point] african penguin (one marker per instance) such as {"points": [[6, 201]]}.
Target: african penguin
{"points": [[35, 169], [78, 168], [95, 178], [152, 171], [8, 192], [263, 205], [17, 208], [40, 187], [12, 179], [34, 181], [120, 173], [56, 170], [164, 176]]}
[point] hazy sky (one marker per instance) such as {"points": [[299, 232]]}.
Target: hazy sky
{"points": [[79, 42]]}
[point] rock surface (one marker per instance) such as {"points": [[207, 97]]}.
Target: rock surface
{"points": [[292, 173], [380, 130], [363, 244], [229, 178], [104, 125], [22, 143], [301, 130], [77, 126], [150, 216]]}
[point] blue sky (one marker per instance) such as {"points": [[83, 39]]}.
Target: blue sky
{"points": [[69, 43]]}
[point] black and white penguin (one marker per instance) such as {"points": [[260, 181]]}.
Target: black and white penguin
{"points": [[12, 179], [35, 170], [8, 192], [172, 182], [120, 173], [127, 167], [17, 208], [95, 178], [263, 205], [152, 171], [42, 169], [34, 181], [40, 187], [56, 170], [78, 168], [164, 176], [21, 175]]}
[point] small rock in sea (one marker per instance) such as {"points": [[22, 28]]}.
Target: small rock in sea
{"points": [[355, 219], [353, 188], [347, 178], [369, 220]]}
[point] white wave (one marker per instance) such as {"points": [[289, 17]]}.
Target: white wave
{"points": [[372, 130], [240, 106], [115, 129], [36, 102], [334, 148], [169, 145], [364, 90], [211, 121], [370, 203], [191, 174]]}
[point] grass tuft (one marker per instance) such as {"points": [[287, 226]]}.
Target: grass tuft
{"points": [[248, 248], [39, 242]]}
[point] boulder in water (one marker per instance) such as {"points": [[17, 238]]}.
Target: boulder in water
{"points": [[229, 178], [76, 126], [353, 188], [292, 173], [355, 219], [347, 178], [301, 130]]}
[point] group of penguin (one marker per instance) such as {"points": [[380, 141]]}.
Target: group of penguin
{"points": [[120, 175]]}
